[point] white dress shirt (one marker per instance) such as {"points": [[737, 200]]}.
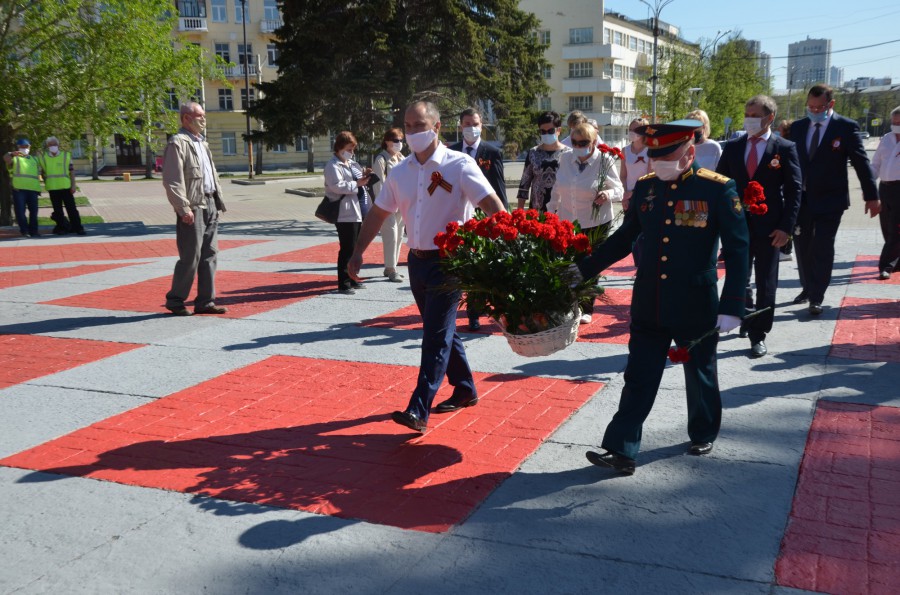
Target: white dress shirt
{"points": [[425, 215], [209, 185], [760, 147], [812, 130], [886, 162], [475, 145], [575, 190]]}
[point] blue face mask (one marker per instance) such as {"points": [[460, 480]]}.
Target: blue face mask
{"points": [[817, 117]]}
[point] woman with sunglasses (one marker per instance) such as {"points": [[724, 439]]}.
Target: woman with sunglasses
{"points": [[539, 171], [392, 228], [578, 188]]}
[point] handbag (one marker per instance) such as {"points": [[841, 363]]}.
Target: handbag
{"points": [[328, 210]]}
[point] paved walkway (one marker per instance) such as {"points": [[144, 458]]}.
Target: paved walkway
{"points": [[253, 453]]}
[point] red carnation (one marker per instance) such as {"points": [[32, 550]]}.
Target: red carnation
{"points": [[452, 227], [679, 355]]}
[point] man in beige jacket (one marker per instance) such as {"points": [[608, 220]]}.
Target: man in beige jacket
{"points": [[192, 187]]}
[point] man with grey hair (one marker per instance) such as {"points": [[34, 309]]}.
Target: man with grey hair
{"points": [[770, 161], [431, 188], [192, 187], [59, 178], [575, 118]]}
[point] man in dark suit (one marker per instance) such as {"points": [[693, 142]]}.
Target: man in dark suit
{"points": [[825, 141], [682, 211], [490, 160], [771, 161]]}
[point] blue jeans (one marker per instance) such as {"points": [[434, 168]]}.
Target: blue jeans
{"points": [[442, 350], [21, 199]]}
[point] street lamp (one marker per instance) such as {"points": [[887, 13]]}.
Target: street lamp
{"points": [[247, 90], [656, 9]]}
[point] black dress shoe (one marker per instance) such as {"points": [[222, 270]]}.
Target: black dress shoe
{"points": [[211, 309], [743, 333], [815, 308], [884, 275], [179, 311], [474, 324], [404, 418], [612, 460], [357, 285], [801, 298], [455, 403], [700, 448], [758, 349], [347, 291]]}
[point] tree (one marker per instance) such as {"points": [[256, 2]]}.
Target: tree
{"points": [[356, 65], [733, 77], [77, 66]]}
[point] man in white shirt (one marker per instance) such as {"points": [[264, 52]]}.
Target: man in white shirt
{"points": [[431, 188], [886, 164]]}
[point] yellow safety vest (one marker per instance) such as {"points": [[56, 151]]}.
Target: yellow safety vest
{"points": [[56, 171], [25, 173]]}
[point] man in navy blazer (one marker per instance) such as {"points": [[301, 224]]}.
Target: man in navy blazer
{"points": [[490, 160], [771, 161], [825, 141]]}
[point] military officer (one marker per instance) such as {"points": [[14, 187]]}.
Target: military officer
{"points": [[682, 211]]}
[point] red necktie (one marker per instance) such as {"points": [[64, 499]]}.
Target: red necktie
{"points": [[752, 158]]}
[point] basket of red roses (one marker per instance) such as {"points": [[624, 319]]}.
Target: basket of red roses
{"points": [[514, 267]]}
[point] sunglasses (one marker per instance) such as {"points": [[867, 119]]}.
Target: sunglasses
{"points": [[547, 131], [395, 140], [581, 143]]}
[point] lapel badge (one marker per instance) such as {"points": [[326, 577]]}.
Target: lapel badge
{"points": [[736, 205], [836, 144], [776, 162]]}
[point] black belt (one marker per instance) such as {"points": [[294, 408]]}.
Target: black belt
{"points": [[423, 254], [890, 182]]}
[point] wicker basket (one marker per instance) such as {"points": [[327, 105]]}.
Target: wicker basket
{"points": [[548, 341]]}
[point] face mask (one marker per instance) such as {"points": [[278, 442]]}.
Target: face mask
{"points": [[24, 150], [633, 136], [346, 155], [472, 133], [583, 151], [895, 129], [53, 150], [396, 147], [817, 118], [668, 170], [549, 139], [753, 126], [420, 141]]}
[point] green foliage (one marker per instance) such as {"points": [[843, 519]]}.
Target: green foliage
{"points": [[356, 65]]}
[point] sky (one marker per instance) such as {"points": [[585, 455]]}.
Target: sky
{"points": [[848, 24]]}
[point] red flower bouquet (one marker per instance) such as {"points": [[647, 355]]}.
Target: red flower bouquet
{"points": [[514, 267], [755, 199]]}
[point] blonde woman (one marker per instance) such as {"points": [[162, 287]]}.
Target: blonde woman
{"points": [[707, 152]]}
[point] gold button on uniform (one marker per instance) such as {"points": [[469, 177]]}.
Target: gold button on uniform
{"points": [[668, 222], [670, 203], [664, 276], [664, 258], [674, 186], [665, 240]]}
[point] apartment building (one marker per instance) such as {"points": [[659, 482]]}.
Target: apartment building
{"points": [[809, 62], [597, 61]]}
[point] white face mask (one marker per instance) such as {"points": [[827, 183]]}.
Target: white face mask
{"points": [[396, 147], [54, 149], [420, 141], [583, 151], [346, 155], [895, 129], [633, 136], [24, 150], [549, 139], [472, 134], [753, 126], [668, 170]]}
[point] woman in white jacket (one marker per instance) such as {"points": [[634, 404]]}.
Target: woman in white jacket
{"points": [[578, 188], [342, 185]]}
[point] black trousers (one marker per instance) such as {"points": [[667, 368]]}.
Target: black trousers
{"points": [[347, 234], [815, 251], [889, 192], [60, 198], [764, 259]]}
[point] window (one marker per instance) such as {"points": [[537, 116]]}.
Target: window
{"points": [[632, 43], [617, 71], [545, 37], [271, 55], [606, 35], [607, 70], [78, 147], [219, 11], [584, 103], [607, 103], [617, 37], [617, 104], [547, 71], [545, 104], [226, 101], [301, 144], [223, 51], [582, 35], [279, 148], [580, 70], [192, 8], [244, 97], [172, 100], [228, 144], [245, 57], [239, 13], [270, 11]]}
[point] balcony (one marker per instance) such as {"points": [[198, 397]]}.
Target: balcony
{"points": [[191, 24], [268, 26], [594, 51], [598, 85], [237, 72]]}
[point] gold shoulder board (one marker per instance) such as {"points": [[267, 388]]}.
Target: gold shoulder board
{"points": [[708, 174], [652, 174]]}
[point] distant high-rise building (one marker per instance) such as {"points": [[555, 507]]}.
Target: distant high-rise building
{"points": [[836, 76], [764, 60], [864, 82], [809, 62]]}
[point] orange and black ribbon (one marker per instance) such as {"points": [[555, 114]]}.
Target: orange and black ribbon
{"points": [[438, 180]]}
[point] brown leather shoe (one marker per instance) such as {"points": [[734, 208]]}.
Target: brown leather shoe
{"points": [[179, 311], [211, 309], [612, 460]]}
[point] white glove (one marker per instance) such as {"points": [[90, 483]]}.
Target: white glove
{"points": [[727, 323], [575, 273]]}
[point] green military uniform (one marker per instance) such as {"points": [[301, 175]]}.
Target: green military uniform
{"points": [[676, 294]]}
